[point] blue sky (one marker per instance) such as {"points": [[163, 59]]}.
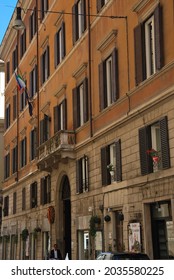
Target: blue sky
{"points": [[6, 10]]}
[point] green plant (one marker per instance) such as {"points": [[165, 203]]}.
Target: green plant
{"points": [[92, 225], [110, 167], [25, 234]]}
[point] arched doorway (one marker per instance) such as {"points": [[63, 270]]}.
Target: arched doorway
{"points": [[65, 197]]}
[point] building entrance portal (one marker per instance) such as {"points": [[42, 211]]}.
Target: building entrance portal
{"points": [[162, 231], [66, 216]]}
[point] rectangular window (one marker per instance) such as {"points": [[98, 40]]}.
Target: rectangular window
{"points": [[46, 190], [23, 152], [14, 202], [23, 100], [32, 22], [15, 59], [33, 81], [108, 80], [154, 147], [148, 46], [14, 159], [82, 175], [23, 43], [7, 116], [44, 8], [59, 49], [7, 166], [24, 199], [44, 129], [14, 106], [6, 206], [45, 66], [33, 195], [100, 4], [111, 165], [79, 19], [33, 144], [80, 104], [60, 116], [8, 72]]}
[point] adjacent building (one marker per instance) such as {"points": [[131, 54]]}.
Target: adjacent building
{"points": [[89, 130]]}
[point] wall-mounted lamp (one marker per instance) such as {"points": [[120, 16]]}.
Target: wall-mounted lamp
{"points": [[18, 23]]}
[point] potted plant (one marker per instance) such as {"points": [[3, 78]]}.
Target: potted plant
{"points": [[92, 224], [155, 157], [111, 168]]}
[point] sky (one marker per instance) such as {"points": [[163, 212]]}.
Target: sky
{"points": [[6, 10]]}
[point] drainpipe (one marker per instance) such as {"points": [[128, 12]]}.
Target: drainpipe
{"points": [[89, 62]]}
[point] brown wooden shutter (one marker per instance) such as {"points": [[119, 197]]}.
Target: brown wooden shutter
{"points": [[139, 54], [49, 189], [165, 151], [55, 51], [63, 40], [118, 175], [159, 56], [104, 162], [144, 145], [23, 198], [41, 131], [41, 70], [75, 109], [85, 100], [101, 86], [14, 106], [64, 104], [83, 17], [42, 182], [48, 61], [99, 5], [74, 24], [78, 177], [115, 90], [56, 119]]}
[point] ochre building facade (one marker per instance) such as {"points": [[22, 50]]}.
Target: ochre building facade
{"points": [[88, 143]]}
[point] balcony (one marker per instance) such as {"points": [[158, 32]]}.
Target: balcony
{"points": [[58, 148]]}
